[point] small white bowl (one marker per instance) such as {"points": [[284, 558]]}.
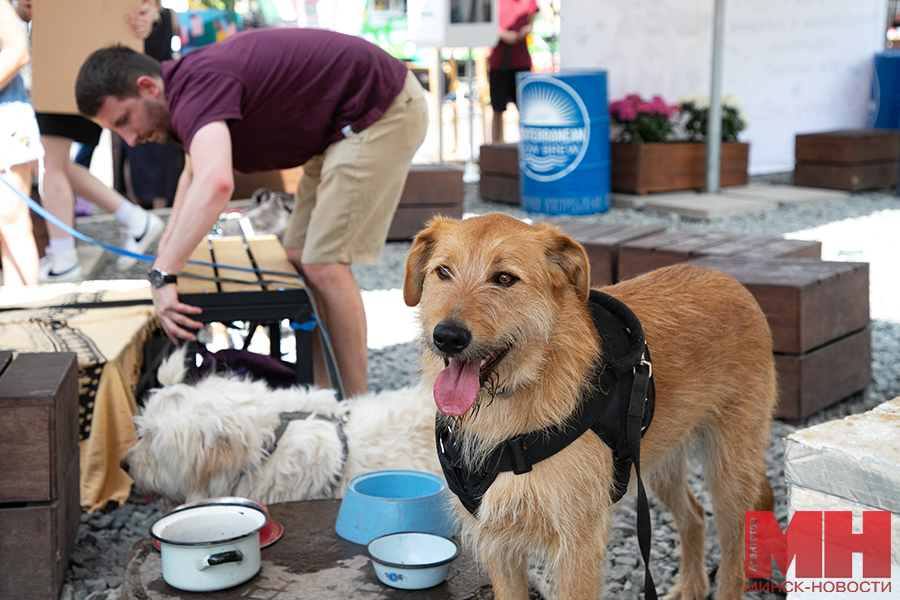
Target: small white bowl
{"points": [[412, 560]]}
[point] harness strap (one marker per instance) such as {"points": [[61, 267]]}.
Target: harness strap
{"points": [[636, 414], [287, 417]]}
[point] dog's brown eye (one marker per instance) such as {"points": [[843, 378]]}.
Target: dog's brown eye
{"points": [[505, 279], [442, 272]]}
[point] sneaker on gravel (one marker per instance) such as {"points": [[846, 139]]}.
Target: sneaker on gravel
{"points": [[139, 244]]}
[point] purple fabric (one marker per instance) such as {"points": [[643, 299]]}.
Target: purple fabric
{"points": [[286, 94], [277, 373]]}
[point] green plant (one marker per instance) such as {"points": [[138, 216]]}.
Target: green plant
{"points": [[695, 111], [637, 120]]}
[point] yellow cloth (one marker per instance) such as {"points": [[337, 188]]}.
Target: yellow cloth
{"points": [[109, 343]]}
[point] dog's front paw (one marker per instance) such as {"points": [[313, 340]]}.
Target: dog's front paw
{"points": [[686, 591]]}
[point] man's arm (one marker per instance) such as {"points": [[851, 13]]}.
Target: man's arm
{"points": [[211, 183], [184, 182]]}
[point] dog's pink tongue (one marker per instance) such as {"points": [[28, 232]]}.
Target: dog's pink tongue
{"points": [[456, 387]]}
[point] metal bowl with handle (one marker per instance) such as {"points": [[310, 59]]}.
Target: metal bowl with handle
{"points": [[212, 544]]}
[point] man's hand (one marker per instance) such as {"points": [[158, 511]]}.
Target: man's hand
{"points": [[509, 37], [173, 315]]}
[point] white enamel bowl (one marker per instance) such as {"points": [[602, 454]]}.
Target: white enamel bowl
{"points": [[412, 560]]}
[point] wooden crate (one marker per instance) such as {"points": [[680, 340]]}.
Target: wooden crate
{"points": [[38, 424], [601, 241], [430, 190], [808, 302], [814, 380], [39, 473], [852, 160], [663, 249], [499, 164]]}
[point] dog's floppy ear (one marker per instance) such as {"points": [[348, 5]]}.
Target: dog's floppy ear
{"points": [[570, 256], [419, 255]]}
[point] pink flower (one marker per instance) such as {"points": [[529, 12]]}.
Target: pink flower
{"points": [[627, 113]]}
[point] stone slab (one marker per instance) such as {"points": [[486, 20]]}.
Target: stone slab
{"points": [[705, 207], [309, 562], [785, 195]]}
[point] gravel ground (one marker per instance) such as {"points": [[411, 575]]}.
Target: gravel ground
{"points": [[104, 538]]}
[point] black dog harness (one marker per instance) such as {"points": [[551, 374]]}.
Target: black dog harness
{"points": [[617, 406]]}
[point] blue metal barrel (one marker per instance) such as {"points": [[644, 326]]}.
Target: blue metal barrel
{"points": [[885, 112], [564, 148]]}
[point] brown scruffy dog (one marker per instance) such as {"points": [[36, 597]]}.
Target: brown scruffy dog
{"points": [[512, 299]]}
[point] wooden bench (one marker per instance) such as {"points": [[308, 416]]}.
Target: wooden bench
{"points": [[852, 160], [430, 190], [499, 165], [39, 500], [601, 241], [664, 249], [818, 312], [228, 295]]}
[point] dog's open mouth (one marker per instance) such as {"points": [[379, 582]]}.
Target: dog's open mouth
{"points": [[456, 387]]}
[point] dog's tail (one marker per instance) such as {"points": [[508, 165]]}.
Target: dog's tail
{"points": [[174, 368]]}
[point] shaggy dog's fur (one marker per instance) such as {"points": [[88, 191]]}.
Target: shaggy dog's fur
{"points": [[506, 326], [207, 439]]}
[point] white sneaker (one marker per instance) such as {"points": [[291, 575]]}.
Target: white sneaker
{"points": [[58, 268], [138, 244]]}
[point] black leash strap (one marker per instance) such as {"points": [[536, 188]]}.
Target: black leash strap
{"points": [[636, 408]]}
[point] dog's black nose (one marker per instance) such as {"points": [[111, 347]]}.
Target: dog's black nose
{"points": [[451, 337]]}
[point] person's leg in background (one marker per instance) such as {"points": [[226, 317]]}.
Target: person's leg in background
{"points": [[63, 179], [17, 248], [496, 82], [83, 155]]}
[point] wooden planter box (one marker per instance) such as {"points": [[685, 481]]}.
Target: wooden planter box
{"points": [[852, 160], [672, 166]]}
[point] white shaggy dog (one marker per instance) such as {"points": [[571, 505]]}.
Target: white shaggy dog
{"points": [[215, 437]]}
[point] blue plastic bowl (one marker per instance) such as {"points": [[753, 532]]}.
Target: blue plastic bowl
{"points": [[384, 502]]}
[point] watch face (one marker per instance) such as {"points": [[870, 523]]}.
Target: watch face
{"points": [[158, 279], [155, 277]]}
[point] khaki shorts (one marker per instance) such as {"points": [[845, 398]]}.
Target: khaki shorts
{"points": [[347, 196]]}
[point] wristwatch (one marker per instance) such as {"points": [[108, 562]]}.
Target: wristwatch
{"points": [[159, 278]]}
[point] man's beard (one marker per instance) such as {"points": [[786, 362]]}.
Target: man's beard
{"points": [[158, 119]]}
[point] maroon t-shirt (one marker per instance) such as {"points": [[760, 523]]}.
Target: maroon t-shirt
{"points": [[286, 94], [513, 16]]}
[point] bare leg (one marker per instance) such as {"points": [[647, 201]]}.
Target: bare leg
{"points": [[497, 127], [56, 191], [341, 310], [17, 248], [63, 179]]}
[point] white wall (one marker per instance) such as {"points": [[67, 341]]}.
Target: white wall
{"points": [[798, 66]]}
